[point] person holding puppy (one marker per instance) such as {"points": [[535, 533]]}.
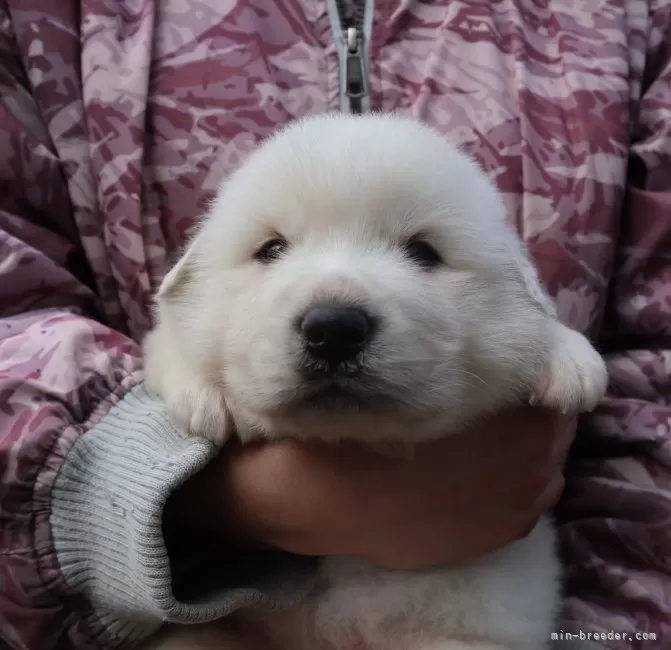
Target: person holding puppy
{"points": [[120, 119]]}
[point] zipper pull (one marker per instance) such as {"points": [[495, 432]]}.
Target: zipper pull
{"points": [[355, 84]]}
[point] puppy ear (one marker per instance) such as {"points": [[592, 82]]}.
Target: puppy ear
{"points": [[179, 276], [530, 279], [575, 378], [177, 367]]}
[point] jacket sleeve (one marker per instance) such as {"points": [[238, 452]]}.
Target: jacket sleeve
{"points": [[87, 457], [617, 510]]}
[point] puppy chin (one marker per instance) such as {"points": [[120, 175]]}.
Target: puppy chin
{"points": [[334, 416]]}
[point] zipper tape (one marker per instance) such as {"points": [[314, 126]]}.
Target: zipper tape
{"points": [[352, 36]]}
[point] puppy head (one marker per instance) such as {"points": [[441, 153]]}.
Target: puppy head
{"points": [[354, 278]]}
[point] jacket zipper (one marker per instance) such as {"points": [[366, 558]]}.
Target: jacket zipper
{"points": [[355, 80], [351, 17]]}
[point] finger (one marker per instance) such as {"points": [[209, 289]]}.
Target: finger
{"points": [[552, 493], [565, 432], [525, 530], [548, 499], [531, 436]]}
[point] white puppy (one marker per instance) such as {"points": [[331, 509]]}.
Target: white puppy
{"points": [[357, 277]]}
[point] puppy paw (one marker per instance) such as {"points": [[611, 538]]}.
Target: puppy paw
{"points": [[201, 410], [194, 404], [576, 377]]}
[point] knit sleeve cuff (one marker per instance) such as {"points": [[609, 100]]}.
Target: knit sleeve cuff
{"points": [[106, 524]]}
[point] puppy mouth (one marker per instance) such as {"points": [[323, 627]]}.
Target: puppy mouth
{"points": [[316, 371], [332, 398], [344, 387], [336, 394]]}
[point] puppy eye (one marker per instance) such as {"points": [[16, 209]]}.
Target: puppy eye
{"points": [[423, 254], [272, 250]]}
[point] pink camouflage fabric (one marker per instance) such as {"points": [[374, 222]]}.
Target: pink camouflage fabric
{"points": [[119, 117]]}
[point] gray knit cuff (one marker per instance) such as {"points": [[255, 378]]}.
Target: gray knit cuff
{"points": [[107, 505]]}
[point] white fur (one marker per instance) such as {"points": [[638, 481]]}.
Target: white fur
{"points": [[457, 342]]}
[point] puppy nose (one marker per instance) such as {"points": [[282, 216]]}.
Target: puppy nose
{"points": [[336, 334]]}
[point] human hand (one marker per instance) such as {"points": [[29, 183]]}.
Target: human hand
{"points": [[456, 500]]}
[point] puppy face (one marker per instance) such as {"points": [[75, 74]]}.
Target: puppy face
{"points": [[355, 278]]}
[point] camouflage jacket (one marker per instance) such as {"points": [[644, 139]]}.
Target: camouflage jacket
{"points": [[117, 120]]}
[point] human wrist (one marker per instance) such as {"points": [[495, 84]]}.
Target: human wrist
{"points": [[106, 511], [209, 511]]}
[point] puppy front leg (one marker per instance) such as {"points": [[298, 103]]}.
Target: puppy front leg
{"points": [[576, 377], [200, 409], [196, 405]]}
